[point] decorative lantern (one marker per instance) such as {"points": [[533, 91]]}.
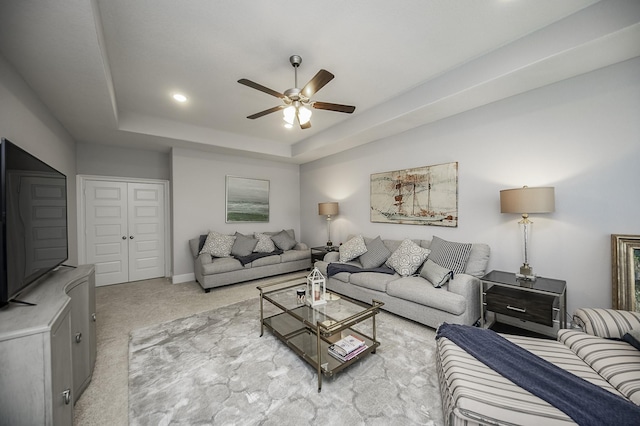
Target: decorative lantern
{"points": [[316, 288]]}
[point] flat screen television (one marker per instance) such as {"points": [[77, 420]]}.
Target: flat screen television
{"points": [[33, 204]]}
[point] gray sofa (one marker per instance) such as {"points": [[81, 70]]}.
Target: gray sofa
{"points": [[413, 297], [214, 272]]}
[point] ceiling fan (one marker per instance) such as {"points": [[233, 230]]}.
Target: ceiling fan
{"points": [[297, 101]]}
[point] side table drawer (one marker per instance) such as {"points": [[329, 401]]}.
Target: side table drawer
{"points": [[521, 304]]}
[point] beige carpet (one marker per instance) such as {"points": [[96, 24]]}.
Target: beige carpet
{"points": [[124, 307]]}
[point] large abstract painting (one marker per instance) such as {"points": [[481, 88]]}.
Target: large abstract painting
{"points": [[420, 196], [247, 200]]}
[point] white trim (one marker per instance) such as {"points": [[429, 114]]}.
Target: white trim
{"points": [[80, 196], [183, 278]]}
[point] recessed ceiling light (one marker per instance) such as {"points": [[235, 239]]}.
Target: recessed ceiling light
{"points": [[180, 97]]}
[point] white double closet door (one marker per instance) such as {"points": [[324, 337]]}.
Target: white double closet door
{"points": [[124, 230]]}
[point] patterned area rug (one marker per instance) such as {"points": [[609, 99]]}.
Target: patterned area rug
{"points": [[214, 368]]}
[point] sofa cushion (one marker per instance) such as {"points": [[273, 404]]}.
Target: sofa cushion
{"points": [[377, 253], [372, 280], [218, 245], [243, 245], [220, 265], [283, 240], [435, 274], [352, 249], [267, 260], [407, 258], [265, 243], [478, 260], [418, 290], [293, 255], [617, 361], [449, 254]]}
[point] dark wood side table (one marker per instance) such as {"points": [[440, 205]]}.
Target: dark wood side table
{"points": [[538, 305], [318, 253]]}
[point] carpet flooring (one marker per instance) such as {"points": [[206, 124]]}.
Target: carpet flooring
{"points": [[214, 368]]}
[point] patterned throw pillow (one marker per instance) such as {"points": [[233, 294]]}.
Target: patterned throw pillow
{"points": [[407, 258], [243, 245], [352, 249], [377, 253], [435, 274], [284, 241], [450, 255], [265, 244], [218, 245]]}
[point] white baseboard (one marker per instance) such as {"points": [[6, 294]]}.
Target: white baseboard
{"points": [[183, 278]]}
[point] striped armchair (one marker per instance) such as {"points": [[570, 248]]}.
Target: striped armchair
{"points": [[474, 394]]}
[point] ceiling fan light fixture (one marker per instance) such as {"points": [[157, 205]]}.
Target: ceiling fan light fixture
{"points": [[289, 114], [304, 114]]}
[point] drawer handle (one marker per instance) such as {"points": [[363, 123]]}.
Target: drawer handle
{"points": [[514, 308], [78, 337], [66, 396]]}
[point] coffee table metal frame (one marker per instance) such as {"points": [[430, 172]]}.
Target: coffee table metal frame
{"points": [[309, 330]]}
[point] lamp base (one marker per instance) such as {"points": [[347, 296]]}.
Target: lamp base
{"points": [[329, 244], [526, 273]]}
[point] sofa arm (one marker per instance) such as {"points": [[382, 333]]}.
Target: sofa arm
{"points": [[204, 259], [301, 246], [606, 322], [332, 256], [468, 287]]}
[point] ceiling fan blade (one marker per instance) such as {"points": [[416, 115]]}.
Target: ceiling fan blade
{"points": [[317, 83], [266, 111], [334, 107], [261, 88]]}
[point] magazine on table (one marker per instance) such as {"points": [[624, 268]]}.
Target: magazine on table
{"points": [[352, 355], [346, 345]]}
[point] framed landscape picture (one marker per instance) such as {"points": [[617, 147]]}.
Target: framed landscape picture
{"points": [[247, 200], [419, 196]]}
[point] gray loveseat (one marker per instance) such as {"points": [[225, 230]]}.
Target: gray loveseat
{"points": [[413, 297], [229, 268]]}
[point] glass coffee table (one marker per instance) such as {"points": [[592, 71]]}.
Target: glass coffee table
{"points": [[310, 330]]}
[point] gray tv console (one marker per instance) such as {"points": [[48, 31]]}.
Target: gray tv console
{"points": [[48, 351]]}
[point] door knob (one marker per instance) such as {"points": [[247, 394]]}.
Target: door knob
{"points": [[131, 237], [124, 238]]}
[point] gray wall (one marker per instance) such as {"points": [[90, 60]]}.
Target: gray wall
{"points": [[101, 160], [25, 121], [198, 188], [580, 136]]}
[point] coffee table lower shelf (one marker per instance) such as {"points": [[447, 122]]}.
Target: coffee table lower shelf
{"points": [[305, 343]]}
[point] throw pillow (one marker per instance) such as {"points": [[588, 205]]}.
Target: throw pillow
{"points": [[218, 245], [283, 240], [243, 245], [435, 274], [201, 242], [450, 255], [633, 338], [407, 258], [377, 253], [265, 243], [352, 249]]}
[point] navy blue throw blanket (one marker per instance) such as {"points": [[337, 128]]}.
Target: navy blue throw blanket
{"points": [[586, 403], [253, 256], [335, 268]]}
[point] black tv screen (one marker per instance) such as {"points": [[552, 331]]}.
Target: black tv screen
{"points": [[34, 220]]}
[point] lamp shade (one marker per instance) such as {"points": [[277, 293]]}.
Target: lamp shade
{"points": [[528, 200], [330, 208]]}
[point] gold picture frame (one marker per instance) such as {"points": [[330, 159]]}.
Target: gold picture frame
{"points": [[625, 272]]}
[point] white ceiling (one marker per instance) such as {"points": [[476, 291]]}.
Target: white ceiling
{"points": [[107, 68]]}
